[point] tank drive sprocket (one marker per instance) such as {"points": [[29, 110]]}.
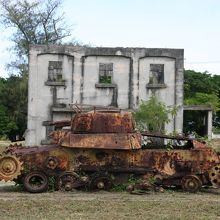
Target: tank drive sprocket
{"points": [[214, 175], [10, 167]]}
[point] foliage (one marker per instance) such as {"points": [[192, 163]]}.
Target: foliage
{"points": [[6, 126], [152, 115], [197, 82], [105, 79], [203, 98], [216, 80], [51, 183], [201, 88], [216, 129], [132, 180], [119, 187], [13, 102]]}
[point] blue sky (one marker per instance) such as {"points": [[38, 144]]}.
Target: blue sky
{"points": [[193, 25]]}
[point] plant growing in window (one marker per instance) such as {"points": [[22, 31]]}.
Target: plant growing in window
{"points": [[105, 73]]}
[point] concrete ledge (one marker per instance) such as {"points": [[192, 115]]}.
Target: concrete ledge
{"points": [[215, 135], [156, 86], [197, 108], [67, 110], [55, 83], [105, 85]]}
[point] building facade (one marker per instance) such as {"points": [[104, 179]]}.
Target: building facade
{"points": [[120, 77]]}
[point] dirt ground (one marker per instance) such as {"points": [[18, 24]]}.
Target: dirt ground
{"points": [[17, 204]]}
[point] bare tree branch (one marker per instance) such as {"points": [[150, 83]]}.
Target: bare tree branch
{"points": [[34, 22]]}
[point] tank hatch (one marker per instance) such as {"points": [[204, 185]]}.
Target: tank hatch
{"points": [[103, 122]]}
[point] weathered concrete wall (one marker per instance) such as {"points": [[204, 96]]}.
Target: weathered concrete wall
{"points": [[41, 98], [80, 82], [92, 94], [166, 93]]}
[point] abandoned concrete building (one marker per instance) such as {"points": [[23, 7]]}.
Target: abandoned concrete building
{"points": [[121, 77]]}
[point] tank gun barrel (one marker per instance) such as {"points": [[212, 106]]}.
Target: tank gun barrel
{"points": [[159, 135]]}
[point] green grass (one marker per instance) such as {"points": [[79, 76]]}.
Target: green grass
{"points": [[104, 205]]}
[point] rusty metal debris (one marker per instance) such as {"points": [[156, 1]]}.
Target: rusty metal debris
{"points": [[102, 148]]}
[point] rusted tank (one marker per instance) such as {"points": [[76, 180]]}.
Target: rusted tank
{"points": [[103, 148]]}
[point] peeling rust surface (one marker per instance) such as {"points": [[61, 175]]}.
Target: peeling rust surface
{"points": [[103, 141], [103, 122], [100, 142], [60, 124]]}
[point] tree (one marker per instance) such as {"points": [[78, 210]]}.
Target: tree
{"points": [[195, 82], [204, 99], [152, 115], [13, 99], [202, 89], [32, 22], [216, 80]]}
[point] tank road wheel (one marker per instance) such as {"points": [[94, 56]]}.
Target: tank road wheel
{"points": [[214, 176], [36, 182], [100, 182], [68, 181], [191, 183], [158, 179], [10, 167], [52, 163]]}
